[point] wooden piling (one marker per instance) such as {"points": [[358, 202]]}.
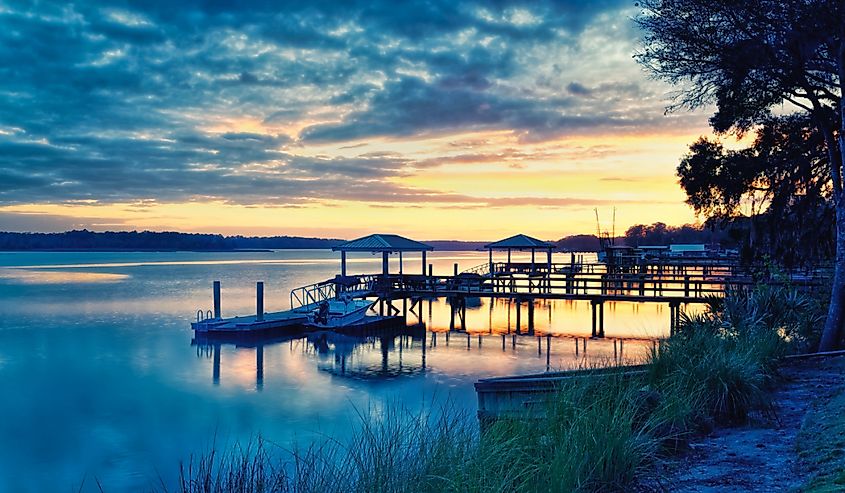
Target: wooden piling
{"points": [[216, 294], [601, 319], [259, 301]]}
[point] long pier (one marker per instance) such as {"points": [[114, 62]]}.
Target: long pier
{"points": [[683, 286], [676, 284]]}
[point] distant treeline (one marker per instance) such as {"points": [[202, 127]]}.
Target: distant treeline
{"points": [[655, 234], [149, 240], [662, 234], [175, 241]]}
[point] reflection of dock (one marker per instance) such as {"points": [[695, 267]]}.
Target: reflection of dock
{"points": [[339, 347]]}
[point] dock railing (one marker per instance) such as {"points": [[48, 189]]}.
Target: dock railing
{"points": [[480, 269], [312, 294], [579, 285], [304, 297]]}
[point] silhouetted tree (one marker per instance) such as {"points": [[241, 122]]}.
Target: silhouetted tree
{"points": [[781, 182], [749, 56]]}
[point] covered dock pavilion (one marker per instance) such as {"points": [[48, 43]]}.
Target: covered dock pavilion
{"points": [[385, 244], [522, 243]]}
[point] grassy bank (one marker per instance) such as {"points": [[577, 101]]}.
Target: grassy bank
{"points": [[598, 434], [821, 445]]}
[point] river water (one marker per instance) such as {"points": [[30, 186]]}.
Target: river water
{"points": [[101, 378]]}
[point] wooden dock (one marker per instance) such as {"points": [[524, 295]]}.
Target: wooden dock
{"points": [[251, 323], [675, 284]]}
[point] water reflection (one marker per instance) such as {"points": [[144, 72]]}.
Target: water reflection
{"points": [[526, 332], [24, 276], [100, 378]]}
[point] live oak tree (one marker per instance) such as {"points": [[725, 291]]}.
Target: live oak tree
{"points": [[750, 57], [778, 190]]}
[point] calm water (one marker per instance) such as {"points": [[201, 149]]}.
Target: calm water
{"points": [[100, 376]]}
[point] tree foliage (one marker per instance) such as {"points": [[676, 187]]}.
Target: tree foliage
{"points": [[781, 182], [748, 57]]}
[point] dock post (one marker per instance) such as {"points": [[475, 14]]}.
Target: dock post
{"points": [[686, 286], [576, 346], [216, 293], [423, 264], [674, 317], [518, 316], [593, 305], [601, 319], [343, 263], [259, 301], [671, 319], [530, 316], [456, 270]]}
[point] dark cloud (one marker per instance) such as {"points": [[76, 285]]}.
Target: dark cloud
{"points": [[114, 102]]}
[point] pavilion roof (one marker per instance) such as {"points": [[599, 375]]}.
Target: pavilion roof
{"points": [[520, 241], [382, 243]]}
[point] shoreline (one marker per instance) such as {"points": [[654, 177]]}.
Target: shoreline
{"points": [[763, 455]]}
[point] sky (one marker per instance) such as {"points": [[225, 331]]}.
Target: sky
{"points": [[433, 119]]}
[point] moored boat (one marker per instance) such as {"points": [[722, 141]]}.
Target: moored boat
{"points": [[338, 312]]}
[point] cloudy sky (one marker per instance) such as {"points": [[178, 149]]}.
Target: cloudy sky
{"points": [[435, 119]]}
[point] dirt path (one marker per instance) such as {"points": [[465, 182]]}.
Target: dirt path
{"points": [[761, 456]]}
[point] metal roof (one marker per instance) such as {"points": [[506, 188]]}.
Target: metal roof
{"points": [[382, 243], [520, 242]]}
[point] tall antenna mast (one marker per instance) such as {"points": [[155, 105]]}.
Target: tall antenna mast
{"points": [[598, 224], [614, 224]]}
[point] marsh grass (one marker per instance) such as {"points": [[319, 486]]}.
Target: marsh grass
{"points": [[600, 431]]}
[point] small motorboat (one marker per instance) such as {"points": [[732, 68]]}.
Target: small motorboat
{"points": [[339, 312]]}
